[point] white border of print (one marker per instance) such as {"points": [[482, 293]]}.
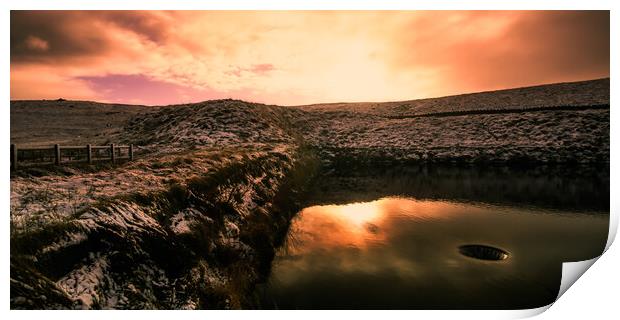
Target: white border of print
{"points": [[592, 296]]}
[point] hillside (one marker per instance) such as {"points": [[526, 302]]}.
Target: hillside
{"points": [[570, 94], [214, 123], [558, 123], [564, 136], [45, 122]]}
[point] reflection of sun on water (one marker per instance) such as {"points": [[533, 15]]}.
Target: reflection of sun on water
{"points": [[351, 225], [359, 214], [349, 233], [362, 224]]}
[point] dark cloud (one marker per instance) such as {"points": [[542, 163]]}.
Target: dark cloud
{"points": [[563, 42], [55, 29], [535, 47], [542, 47], [72, 34], [152, 26]]}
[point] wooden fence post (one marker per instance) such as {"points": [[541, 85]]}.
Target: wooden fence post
{"points": [[57, 154], [89, 153], [13, 157], [112, 152], [131, 152]]}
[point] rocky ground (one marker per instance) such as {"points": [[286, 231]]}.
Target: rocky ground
{"points": [[193, 222]]}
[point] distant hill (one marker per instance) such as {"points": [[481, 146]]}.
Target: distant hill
{"points": [[44, 122], [570, 94]]}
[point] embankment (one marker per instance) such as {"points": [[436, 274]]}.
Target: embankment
{"points": [[202, 243]]}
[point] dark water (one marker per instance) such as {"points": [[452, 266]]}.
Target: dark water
{"points": [[401, 250]]}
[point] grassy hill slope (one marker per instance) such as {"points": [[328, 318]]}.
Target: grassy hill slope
{"points": [[571, 94]]}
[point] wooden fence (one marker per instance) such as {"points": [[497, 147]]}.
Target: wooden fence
{"points": [[57, 155]]}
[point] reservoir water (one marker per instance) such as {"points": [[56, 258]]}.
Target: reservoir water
{"points": [[383, 241]]}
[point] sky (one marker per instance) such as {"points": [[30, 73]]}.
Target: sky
{"points": [[298, 57]]}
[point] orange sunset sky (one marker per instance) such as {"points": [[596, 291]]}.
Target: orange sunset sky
{"points": [[298, 57]]}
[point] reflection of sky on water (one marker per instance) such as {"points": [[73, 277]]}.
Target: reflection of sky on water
{"points": [[403, 253]]}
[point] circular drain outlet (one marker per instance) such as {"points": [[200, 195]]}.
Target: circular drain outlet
{"points": [[482, 252]]}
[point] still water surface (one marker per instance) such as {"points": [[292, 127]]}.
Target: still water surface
{"points": [[400, 252]]}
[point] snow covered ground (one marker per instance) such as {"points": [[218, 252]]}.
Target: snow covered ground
{"points": [[154, 228], [560, 123], [543, 136], [40, 200]]}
